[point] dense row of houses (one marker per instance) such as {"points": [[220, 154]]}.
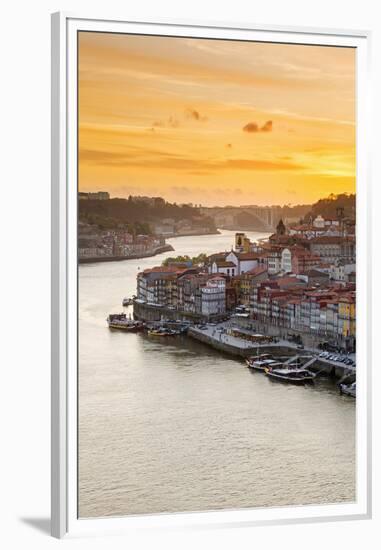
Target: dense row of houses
{"points": [[190, 290], [111, 243], [294, 282], [288, 302]]}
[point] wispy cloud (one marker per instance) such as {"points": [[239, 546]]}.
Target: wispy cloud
{"points": [[171, 122], [161, 160], [253, 127], [193, 114]]}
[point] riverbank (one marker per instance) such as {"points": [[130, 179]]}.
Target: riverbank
{"points": [[191, 234], [218, 337], [97, 259]]}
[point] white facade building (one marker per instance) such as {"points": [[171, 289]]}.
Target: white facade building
{"points": [[319, 222], [274, 260], [285, 262], [213, 300]]}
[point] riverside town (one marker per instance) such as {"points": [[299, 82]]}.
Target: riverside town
{"points": [[290, 295]]}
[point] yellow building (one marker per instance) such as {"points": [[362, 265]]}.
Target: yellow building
{"points": [[347, 316], [242, 243], [245, 287]]}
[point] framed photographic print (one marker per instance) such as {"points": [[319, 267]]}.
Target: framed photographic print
{"points": [[211, 282]]}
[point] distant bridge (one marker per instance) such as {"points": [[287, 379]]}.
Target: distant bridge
{"points": [[260, 218]]}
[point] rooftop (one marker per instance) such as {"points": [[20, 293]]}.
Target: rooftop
{"points": [[224, 263]]}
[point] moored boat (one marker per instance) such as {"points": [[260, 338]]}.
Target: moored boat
{"points": [[291, 375], [121, 322], [162, 331], [261, 362], [348, 389]]}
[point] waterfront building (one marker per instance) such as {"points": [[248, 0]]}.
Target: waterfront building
{"points": [[347, 320], [212, 297], [158, 285], [187, 286], [231, 295], [328, 313], [332, 317], [293, 312]]}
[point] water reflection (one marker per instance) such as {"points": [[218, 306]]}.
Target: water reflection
{"points": [[175, 426]]}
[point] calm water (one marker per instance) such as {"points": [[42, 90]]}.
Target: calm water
{"points": [[176, 426]]}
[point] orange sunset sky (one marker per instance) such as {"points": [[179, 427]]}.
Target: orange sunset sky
{"points": [[215, 122]]}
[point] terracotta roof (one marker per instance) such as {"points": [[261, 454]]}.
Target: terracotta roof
{"points": [[256, 271], [348, 299], [283, 281], [306, 227], [223, 263], [247, 256], [327, 239], [315, 273], [170, 269], [294, 301], [217, 256]]}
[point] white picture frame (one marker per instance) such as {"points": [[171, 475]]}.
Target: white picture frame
{"points": [[64, 276]]}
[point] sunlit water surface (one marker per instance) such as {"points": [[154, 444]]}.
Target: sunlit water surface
{"points": [[175, 426]]}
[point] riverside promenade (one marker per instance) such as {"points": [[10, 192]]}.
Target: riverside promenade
{"points": [[217, 337]]}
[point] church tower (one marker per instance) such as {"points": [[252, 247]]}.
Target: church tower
{"points": [[280, 228]]}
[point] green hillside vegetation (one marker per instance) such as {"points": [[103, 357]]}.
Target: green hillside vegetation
{"points": [[138, 215], [196, 260], [328, 207]]}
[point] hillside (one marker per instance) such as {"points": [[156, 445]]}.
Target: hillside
{"points": [[328, 207], [139, 214]]}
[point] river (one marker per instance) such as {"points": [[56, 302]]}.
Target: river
{"points": [[176, 426]]}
